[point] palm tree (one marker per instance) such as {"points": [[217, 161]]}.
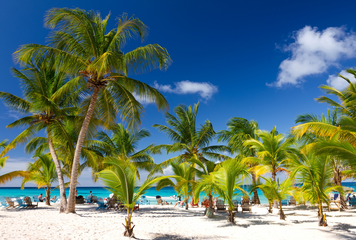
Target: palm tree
{"points": [[121, 180], [43, 173], [315, 173], [122, 146], [81, 43], [183, 175], [47, 104], [273, 151], [240, 130], [190, 141], [227, 179], [275, 191]]}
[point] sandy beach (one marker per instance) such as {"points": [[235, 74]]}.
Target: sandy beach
{"points": [[167, 222]]}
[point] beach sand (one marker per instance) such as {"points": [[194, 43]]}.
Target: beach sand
{"points": [[167, 222]]}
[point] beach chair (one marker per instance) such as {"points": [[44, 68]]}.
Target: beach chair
{"points": [[112, 203], [292, 201], [54, 198], [3, 203], [21, 204], [88, 199], [220, 205], [246, 207], [29, 203], [144, 200], [205, 203], [101, 204], [284, 202], [352, 201], [10, 202], [335, 205], [95, 199], [194, 204], [236, 205], [35, 198], [136, 207]]}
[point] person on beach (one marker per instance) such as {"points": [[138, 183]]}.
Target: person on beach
{"points": [[91, 196], [40, 197]]}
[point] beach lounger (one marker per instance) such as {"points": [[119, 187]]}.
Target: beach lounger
{"points": [[194, 204], [3, 203], [352, 201], [236, 205], [101, 204], [88, 199], [112, 203], [35, 198], [284, 202], [144, 200], [21, 203], [220, 205], [10, 202], [246, 207], [29, 203], [335, 205], [292, 201], [205, 203]]}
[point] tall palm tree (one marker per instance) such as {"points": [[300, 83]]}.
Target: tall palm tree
{"points": [[240, 130], [316, 175], [273, 151], [43, 173], [122, 146], [82, 44], [46, 104], [122, 180], [189, 140], [184, 177]]}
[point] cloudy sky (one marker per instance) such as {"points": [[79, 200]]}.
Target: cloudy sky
{"points": [[261, 60]]}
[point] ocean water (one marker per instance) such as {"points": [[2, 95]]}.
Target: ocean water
{"points": [[166, 193]]}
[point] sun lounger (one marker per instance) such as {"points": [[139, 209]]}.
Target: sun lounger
{"points": [[205, 203], [335, 205], [292, 201], [284, 202], [112, 203], [101, 204], [10, 202], [29, 203], [236, 205], [21, 203], [246, 207], [220, 205], [194, 204], [35, 198], [3, 203]]}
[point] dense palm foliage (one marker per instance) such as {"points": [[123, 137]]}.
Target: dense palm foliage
{"points": [[240, 130], [121, 179], [81, 43], [43, 173]]}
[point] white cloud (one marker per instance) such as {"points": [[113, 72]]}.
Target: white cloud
{"points": [[338, 82], [204, 89], [313, 52], [168, 171]]}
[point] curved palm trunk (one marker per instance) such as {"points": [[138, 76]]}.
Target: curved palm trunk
{"points": [[128, 229], [256, 199], [337, 180], [275, 202], [62, 189], [281, 213], [186, 203], [321, 216], [78, 149], [48, 195], [231, 216], [270, 207]]}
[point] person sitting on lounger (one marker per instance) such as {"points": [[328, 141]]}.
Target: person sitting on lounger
{"points": [[54, 198], [40, 197]]}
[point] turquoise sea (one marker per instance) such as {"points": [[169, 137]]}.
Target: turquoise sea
{"points": [[100, 192]]}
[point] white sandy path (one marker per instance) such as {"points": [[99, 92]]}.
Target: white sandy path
{"points": [[167, 222]]}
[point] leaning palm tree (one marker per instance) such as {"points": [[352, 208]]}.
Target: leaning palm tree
{"points": [[227, 179], [122, 180], [184, 180], [316, 174], [45, 106], [240, 130], [275, 191], [122, 145], [82, 44], [43, 173]]}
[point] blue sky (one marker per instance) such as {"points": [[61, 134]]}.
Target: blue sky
{"points": [[261, 60]]}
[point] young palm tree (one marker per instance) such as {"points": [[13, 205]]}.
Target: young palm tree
{"points": [[316, 175], [122, 146], [82, 44], [240, 130], [275, 191], [43, 173], [226, 179], [47, 105], [183, 175], [190, 141], [121, 180]]}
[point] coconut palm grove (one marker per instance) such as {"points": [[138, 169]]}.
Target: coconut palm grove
{"points": [[100, 140]]}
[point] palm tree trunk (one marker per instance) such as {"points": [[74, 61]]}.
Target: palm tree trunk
{"points": [[62, 190], [275, 202], [281, 213], [231, 216], [256, 199], [48, 195], [322, 218], [337, 180], [78, 150], [270, 207], [128, 230], [186, 203]]}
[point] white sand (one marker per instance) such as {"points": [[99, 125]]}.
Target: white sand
{"points": [[167, 222]]}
